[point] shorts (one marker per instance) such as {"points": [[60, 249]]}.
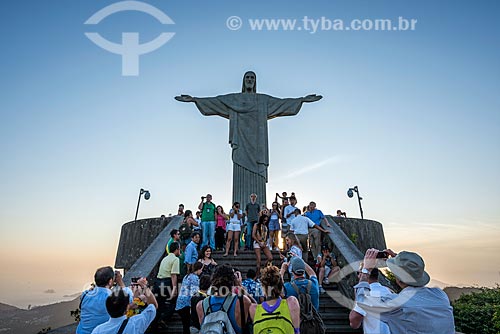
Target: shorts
{"points": [[285, 229], [274, 225], [256, 245], [236, 227]]}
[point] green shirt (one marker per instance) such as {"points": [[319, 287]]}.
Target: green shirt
{"points": [[208, 212], [168, 245]]}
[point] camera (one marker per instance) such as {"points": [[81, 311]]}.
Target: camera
{"points": [[382, 255], [134, 280]]}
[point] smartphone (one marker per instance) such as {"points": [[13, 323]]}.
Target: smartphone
{"points": [[382, 255]]}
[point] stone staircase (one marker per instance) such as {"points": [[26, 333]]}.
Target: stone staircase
{"points": [[142, 246], [335, 316]]}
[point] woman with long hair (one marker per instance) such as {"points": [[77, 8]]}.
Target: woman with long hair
{"points": [[188, 225], [205, 257], [234, 228], [294, 249], [293, 245], [274, 225], [220, 227], [190, 286], [275, 311], [259, 235]]}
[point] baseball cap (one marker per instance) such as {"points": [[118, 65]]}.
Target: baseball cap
{"points": [[298, 265]]}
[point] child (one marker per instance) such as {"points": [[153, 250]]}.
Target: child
{"points": [[327, 267]]}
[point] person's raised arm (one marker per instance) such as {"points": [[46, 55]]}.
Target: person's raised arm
{"points": [[200, 206], [151, 299], [310, 271], [369, 262], [390, 252], [119, 279], [193, 222], [323, 261], [283, 269]]}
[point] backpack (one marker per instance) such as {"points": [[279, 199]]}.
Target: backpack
{"points": [[275, 322], [310, 320], [185, 230], [217, 322]]}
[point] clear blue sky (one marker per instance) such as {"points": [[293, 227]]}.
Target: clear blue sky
{"points": [[411, 117]]}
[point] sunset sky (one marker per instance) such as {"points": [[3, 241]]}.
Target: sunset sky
{"points": [[410, 117]]}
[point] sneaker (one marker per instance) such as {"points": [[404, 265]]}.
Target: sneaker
{"points": [[326, 281], [321, 290]]}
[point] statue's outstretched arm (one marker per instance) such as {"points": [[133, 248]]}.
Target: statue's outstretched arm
{"points": [[312, 98], [184, 98], [208, 106]]}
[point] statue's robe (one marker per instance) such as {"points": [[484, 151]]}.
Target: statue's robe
{"points": [[248, 114]]}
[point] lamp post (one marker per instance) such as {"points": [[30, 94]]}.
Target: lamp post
{"points": [[147, 195], [351, 192]]}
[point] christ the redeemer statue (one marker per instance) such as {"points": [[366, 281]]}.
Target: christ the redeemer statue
{"points": [[248, 113]]}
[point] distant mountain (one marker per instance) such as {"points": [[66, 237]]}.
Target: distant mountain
{"points": [[434, 283], [5, 307], [74, 295], [454, 293], [18, 321]]}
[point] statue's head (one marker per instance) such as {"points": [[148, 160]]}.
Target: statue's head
{"points": [[249, 83]]}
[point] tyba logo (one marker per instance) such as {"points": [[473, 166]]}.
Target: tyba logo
{"points": [[130, 49]]}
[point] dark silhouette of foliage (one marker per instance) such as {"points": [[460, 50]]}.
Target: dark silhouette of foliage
{"points": [[76, 314]]}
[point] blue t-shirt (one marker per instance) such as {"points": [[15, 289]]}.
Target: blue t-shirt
{"points": [[216, 304], [316, 216], [93, 309], [190, 286], [254, 288], [302, 285], [191, 253]]}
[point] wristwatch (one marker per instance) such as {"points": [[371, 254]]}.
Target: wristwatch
{"points": [[365, 271]]}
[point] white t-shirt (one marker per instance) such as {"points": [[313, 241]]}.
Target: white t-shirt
{"points": [[136, 324], [371, 321], [301, 224], [289, 209], [233, 217], [195, 228]]}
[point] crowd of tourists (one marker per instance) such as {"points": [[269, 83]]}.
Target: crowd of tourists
{"points": [[255, 226], [275, 297]]}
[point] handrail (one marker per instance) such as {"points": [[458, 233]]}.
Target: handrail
{"points": [[146, 263]]}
